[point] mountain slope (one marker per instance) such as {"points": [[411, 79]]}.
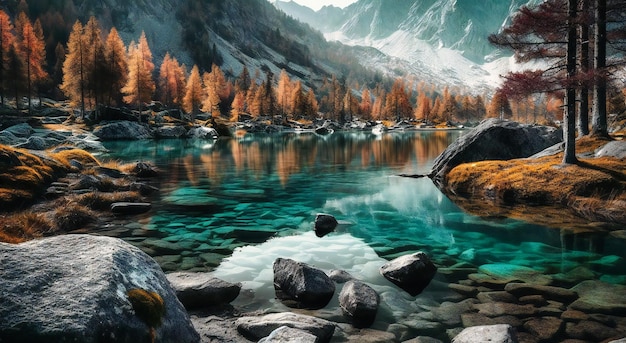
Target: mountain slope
{"points": [[437, 38]]}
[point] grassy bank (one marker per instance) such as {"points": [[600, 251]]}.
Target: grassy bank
{"points": [[594, 189]]}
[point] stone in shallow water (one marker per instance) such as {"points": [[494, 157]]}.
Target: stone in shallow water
{"points": [[256, 328], [492, 333], [546, 328], [285, 334], [549, 292], [411, 272], [198, 290], [300, 285], [513, 272], [600, 297], [359, 302], [501, 309], [591, 331]]}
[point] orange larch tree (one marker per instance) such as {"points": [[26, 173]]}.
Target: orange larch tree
{"points": [[73, 85], [7, 38], [117, 66], [33, 51], [365, 107], [194, 93], [140, 85], [95, 62]]}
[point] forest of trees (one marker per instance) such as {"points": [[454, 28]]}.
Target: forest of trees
{"points": [[573, 38], [96, 68]]}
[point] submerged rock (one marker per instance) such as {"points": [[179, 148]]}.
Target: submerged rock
{"points": [[492, 333], [83, 288], [494, 139], [300, 285], [256, 328], [285, 334], [412, 272], [359, 302], [198, 290]]}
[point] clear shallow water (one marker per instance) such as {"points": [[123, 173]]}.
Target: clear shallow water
{"points": [[233, 206]]}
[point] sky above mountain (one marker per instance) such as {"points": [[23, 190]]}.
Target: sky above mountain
{"points": [[317, 4]]}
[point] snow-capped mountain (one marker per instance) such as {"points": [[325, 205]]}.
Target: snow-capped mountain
{"points": [[442, 41]]}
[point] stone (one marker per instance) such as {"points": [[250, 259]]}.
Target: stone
{"points": [[130, 208], [501, 309], [255, 328], [536, 300], [340, 276], [477, 319], [201, 290], [86, 182], [78, 288], [623, 340], [37, 143], [412, 273], [143, 189], [591, 331], [202, 132], [468, 291], [600, 297], [423, 339], [546, 328], [574, 316], [300, 285], [549, 292], [144, 169], [122, 130], [166, 132], [496, 296], [615, 149], [324, 224], [494, 139], [23, 130], [501, 333], [512, 272], [359, 302], [285, 334]]}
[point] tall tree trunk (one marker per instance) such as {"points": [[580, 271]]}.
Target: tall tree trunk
{"points": [[583, 91], [569, 129], [599, 123]]}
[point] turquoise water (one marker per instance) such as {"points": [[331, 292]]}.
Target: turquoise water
{"points": [[234, 205]]}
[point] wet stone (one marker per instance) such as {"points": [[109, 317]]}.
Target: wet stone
{"points": [[477, 319], [574, 316], [546, 329], [496, 296], [548, 292], [600, 297], [591, 331], [488, 281], [501, 309], [468, 291], [536, 300]]}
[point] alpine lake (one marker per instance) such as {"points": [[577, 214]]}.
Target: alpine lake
{"points": [[232, 206]]}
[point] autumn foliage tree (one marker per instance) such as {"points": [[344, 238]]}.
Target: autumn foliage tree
{"points": [[7, 39], [140, 85], [194, 93], [74, 71], [116, 66], [32, 48]]}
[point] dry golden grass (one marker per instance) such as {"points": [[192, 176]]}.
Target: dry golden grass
{"points": [[99, 201], [65, 156], [595, 188], [21, 227]]}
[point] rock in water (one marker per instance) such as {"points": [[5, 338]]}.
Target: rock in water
{"points": [[77, 288], [359, 302], [130, 208], [198, 290], [300, 285], [412, 272], [285, 334], [502, 333], [324, 224], [494, 139], [256, 328]]}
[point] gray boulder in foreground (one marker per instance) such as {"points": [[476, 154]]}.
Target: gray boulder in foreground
{"points": [[300, 285], [494, 139], [411, 272], [75, 288], [122, 130], [201, 290], [502, 333], [285, 334], [256, 328]]}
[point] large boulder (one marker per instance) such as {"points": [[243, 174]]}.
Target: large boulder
{"points": [[202, 132], [81, 288], [300, 285], [501, 333], [411, 272], [285, 334], [165, 132], [359, 302], [122, 130], [198, 290], [615, 149], [494, 139], [256, 328], [23, 130]]}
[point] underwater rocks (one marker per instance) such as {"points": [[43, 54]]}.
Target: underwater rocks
{"points": [[86, 288], [200, 290], [493, 333], [412, 272], [300, 285]]}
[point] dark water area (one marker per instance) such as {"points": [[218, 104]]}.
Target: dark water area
{"points": [[235, 205]]}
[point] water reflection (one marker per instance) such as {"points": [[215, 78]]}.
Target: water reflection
{"points": [[219, 196]]}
